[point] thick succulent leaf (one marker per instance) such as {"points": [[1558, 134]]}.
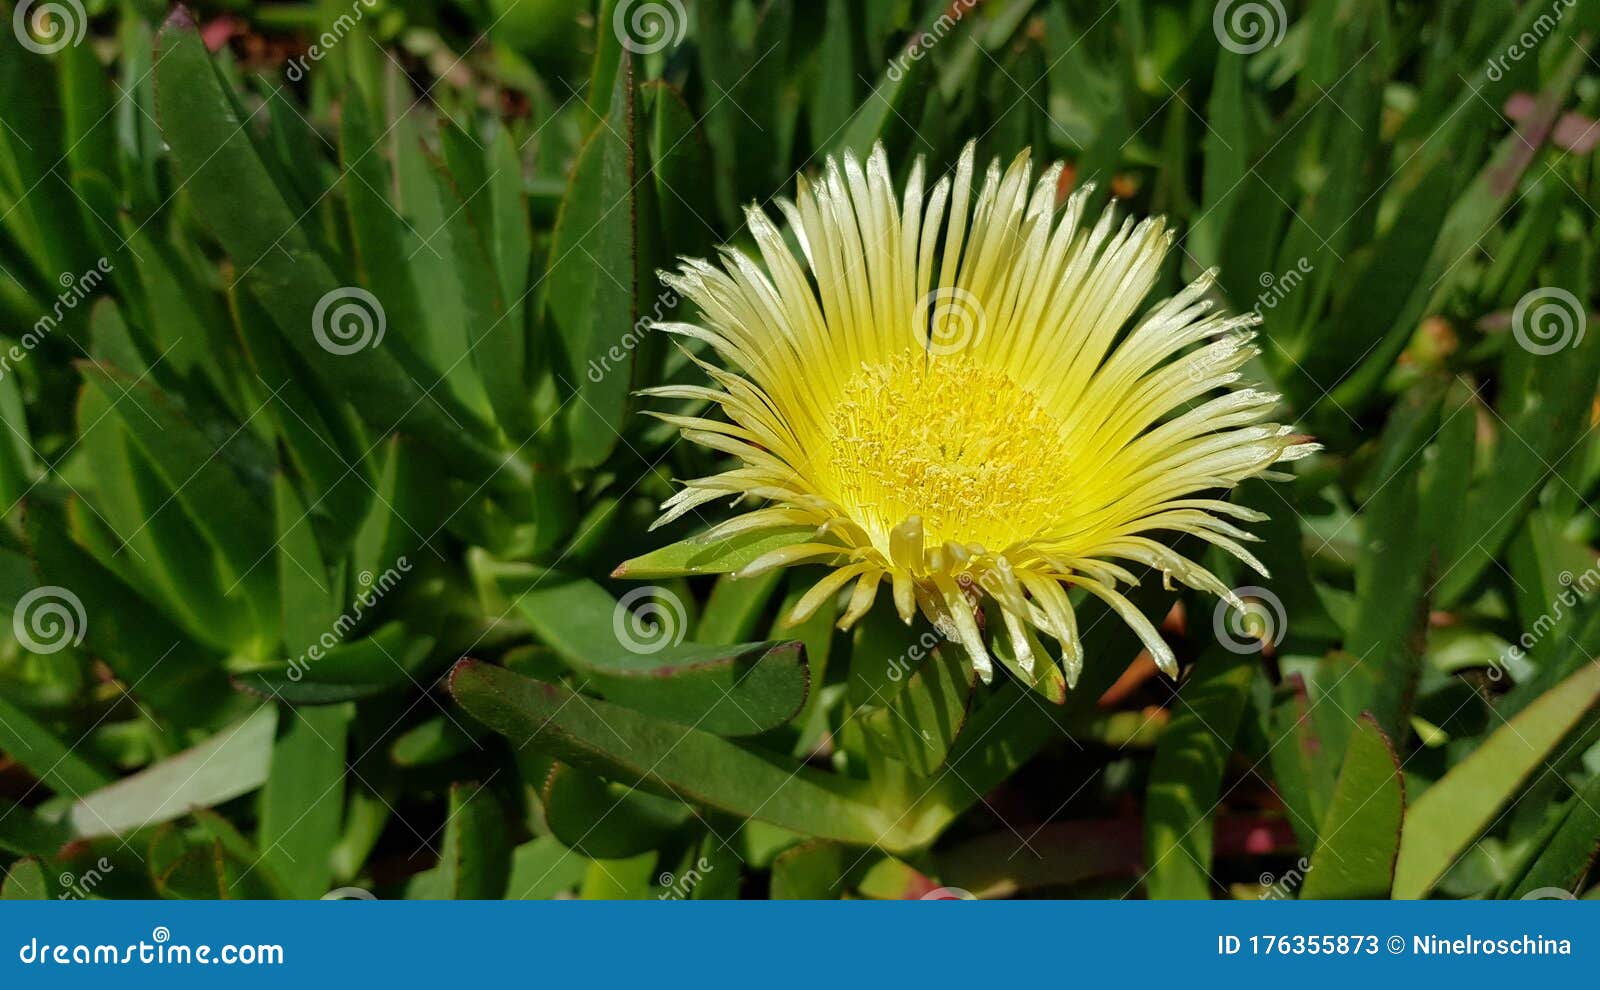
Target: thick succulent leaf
{"points": [[390, 659], [812, 871], [734, 609], [1562, 857], [303, 799], [729, 691], [699, 556], [671, 759], [157, 662], [592, 279], [475, 862], [603, 820], [236, 195], [24, 833], [1360, 835], [911, 695], [25, 882], [59, 766], [637, 658], [543, 868], [679, 163], [1003, 863], [232, 762], [1303, 771], [1186, 778], [1450, 815]]}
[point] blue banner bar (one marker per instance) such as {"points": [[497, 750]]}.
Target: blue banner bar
{"points": [[798, 944]]}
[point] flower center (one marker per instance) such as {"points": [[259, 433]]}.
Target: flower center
{"points": [[945, 438]]}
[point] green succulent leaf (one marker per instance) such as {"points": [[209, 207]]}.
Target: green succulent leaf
{"points": [[1450, 815], [698, 556], [1360, 835], [235, 761], [672, 760]]}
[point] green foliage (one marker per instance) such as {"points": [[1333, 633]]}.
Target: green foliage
{"points": [[326, 532]]}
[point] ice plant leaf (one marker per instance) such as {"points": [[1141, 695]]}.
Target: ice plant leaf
{"points": [[475, 863], [235, 761], [951, 388], [591, 292], [602, 820], [1186, 778], [303, 799], [1361, 833], [1451, 813], [701, 556], [25, 882], [1564, 855], [728, 690], [673, 760]]}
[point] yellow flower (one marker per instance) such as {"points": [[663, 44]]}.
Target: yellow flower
{"points": [[944, 388]]}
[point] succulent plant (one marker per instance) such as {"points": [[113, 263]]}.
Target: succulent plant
{"points": [[330, 500]]}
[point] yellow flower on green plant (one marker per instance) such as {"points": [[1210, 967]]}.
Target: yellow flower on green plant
{"points": [[948, 388]]}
